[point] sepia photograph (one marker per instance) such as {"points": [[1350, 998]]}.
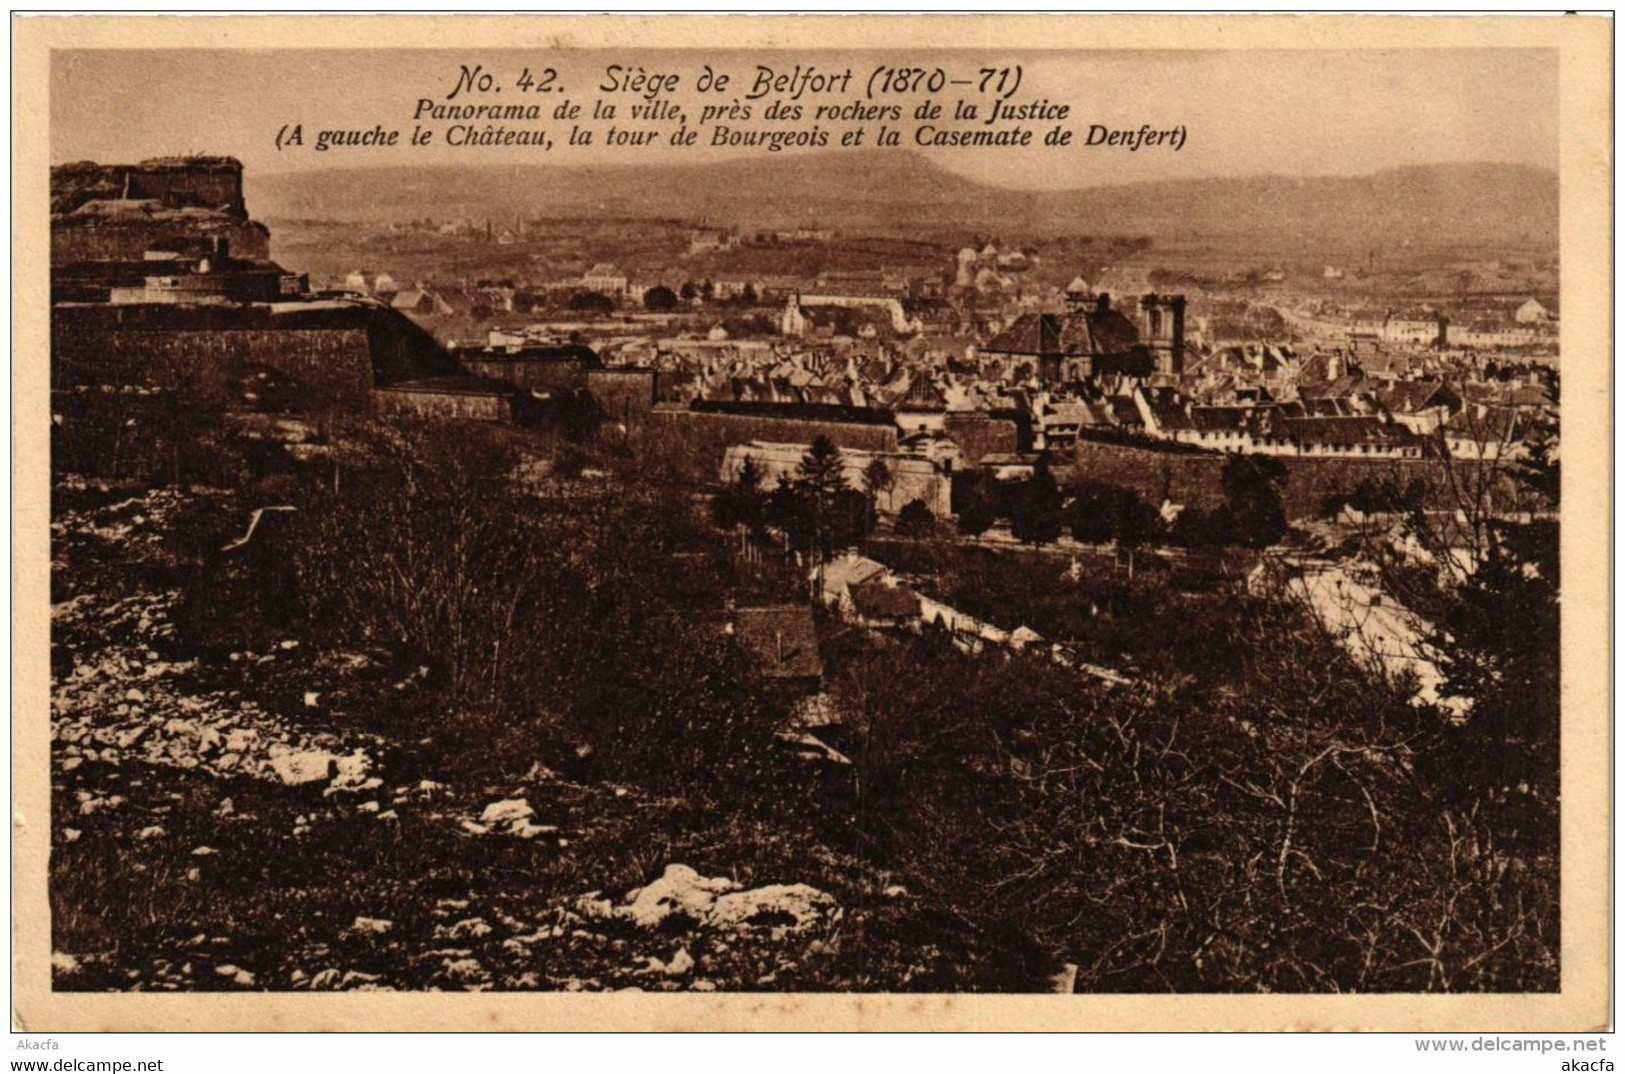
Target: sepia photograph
{"points": [[977, 515]]}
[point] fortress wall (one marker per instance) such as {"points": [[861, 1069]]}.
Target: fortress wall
{"points": [[1194, 479], [334, 364], [128, 240], [695, 441]]}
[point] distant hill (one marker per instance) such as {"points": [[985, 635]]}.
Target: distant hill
{"points": [[890, 192]]}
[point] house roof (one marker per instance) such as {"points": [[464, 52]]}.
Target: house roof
{"points": [[1220, 418], [1486, 424], [1411, 396], [874, 599], [1123, 410], [412, 297], [921, 395], [1070, 414], [849, 570], [1033, 333], [1169, 416], [1342, 386], [1110, 331], [1532, 395], [1345, 431]]}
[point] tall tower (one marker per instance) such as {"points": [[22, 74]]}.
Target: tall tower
{"points": [[1162, 327]]}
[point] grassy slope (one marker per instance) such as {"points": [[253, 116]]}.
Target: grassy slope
{"points": [[289, 869]]}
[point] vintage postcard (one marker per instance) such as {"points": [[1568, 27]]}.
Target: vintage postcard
{"points": [[812, 523]]}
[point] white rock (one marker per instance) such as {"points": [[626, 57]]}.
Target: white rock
{"points": [[296, 767], [239, 740], [375, 925], [352, 768], [470, 929], [368, 807], [770, 906], [153, 831], [325, 979], [63, 963], [591, 906], [243, 978], [681, 963], [203, 852], [227, 970], [312, 699], [464, 969], [507, 811], [71, 835], [679, 889]]}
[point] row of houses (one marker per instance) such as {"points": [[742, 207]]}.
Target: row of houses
{"points": [[1398, 423], [1531, 323]]}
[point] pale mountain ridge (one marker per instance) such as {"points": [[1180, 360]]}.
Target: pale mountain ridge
{"points": [[891, 192]]}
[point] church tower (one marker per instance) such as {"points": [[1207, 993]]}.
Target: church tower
{"points": [[1162, 329]]}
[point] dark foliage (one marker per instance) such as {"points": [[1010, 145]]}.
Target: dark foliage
{"points": [[660, 298], [591, 302], [1035, 508], [1256, 514], [1261, 828], [569, 624], [915, 520]]}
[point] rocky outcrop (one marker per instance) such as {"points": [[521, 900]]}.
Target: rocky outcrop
{"points": [[716, 902]]}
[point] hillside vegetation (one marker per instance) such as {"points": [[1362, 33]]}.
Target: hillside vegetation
{"points": [[453, 707]]}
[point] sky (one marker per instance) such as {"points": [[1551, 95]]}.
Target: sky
{"points": [[1245, 112]]}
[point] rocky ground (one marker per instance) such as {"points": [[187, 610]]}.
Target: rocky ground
{"points": [[238, 820]]}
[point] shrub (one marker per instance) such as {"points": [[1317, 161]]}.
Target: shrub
{"points": [[916, 520], [560, 615]]}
